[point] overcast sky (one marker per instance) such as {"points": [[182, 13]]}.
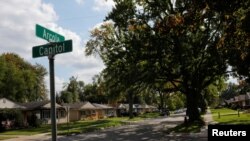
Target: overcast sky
{"points": [[71, 18]]}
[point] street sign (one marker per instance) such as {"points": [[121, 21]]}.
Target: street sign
{"points": [[52, 49], [48, 35]]}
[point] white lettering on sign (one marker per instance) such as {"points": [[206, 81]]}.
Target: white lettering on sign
{"points": [[51, 50], [50, 37], [216, 132], [40, 51]]}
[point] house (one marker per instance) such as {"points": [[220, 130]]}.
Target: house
{"points": [[8, 104], [81, 111], [104, 111], [123, 109], [242, 101], [148, 108], [42, 111], [247, 100]]}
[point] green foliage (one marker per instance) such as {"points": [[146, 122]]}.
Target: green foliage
{"points": [[213, 91], [230, 92], [176, 101], [72, 91], [66, 97], [243, 87], [180, 43], [13, 115], [19, 80], [33, 121], [235, 16], [77, 91]]}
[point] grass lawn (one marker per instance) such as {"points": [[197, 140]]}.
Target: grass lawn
{"points": [[88, 126], [150, 115], [28, 131], [79, 126], [5, 137], [229, 116]]}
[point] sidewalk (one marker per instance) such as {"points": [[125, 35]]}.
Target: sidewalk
{"points": [[37, 137], [208, 118]]}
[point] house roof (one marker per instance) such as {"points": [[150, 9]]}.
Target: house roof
{"points": [[6, 103], [80, 105], [248, 96], [121, 106], [138, 106], [152, 107], [39, 105], [242, 97], [102, 106]]}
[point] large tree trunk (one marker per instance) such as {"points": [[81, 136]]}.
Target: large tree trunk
{"points": [[202, 104], [161, 106], [192, 105], [130, 99]]}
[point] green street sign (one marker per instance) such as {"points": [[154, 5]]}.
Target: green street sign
{"points": [[48, 35], [52, 49]]}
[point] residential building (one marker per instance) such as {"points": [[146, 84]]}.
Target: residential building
{"points": [[42, 111], [81, 111], [104, 111]]}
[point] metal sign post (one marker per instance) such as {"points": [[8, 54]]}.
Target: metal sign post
{"points": [[52, 97], [57, 47]]}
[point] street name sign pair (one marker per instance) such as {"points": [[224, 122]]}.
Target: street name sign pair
{"points": [[56, 45]]}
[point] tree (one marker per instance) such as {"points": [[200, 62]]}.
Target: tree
{"points": [[20, 81], [148, 41], [235, 16], [230, 92], [243, 87], [121, 75], [66, 97], [72, 91], [212, 93], [175, 101], [40, 87]]}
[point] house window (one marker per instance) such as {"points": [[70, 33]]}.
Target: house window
{"points": [[61, 113], [93, 112], [45, 114], [88, 112], [83, 113], [106, 112]]}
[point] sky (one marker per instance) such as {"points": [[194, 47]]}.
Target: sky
{"points": [[73, 19]]}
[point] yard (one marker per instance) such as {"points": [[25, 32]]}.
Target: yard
{"points": [[229, 116]]}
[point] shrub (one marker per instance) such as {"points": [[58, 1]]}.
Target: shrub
{"points": [[10, 118], [33, 121]]}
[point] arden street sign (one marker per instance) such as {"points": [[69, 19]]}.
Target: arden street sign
{"points": [[52, 49], [48, 35]]}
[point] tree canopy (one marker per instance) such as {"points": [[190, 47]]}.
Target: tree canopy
{"points": [[150, 41], [20, 81]]}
